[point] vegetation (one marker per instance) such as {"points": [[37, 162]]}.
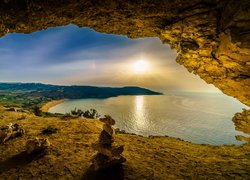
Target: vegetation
{"points": [[91, 114], [37, 111], [21, 99], [119, 131], [41, 92]]}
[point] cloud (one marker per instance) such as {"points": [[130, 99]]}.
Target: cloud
{"points": [[72, 55]]}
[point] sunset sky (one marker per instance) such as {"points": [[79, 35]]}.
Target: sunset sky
{"points": [[80, 56]]}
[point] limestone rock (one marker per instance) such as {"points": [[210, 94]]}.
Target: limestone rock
{"points": [[108, 129], [105, 138], [242, 121], [101, 161], [37, 145], [108, 120], [5, 135], [212, 36], [109, 153], [10, 131]]}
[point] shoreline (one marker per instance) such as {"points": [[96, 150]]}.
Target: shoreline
{"points": [[50, 104]]}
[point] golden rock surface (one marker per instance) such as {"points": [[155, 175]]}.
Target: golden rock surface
{"points": [[212, 37]]}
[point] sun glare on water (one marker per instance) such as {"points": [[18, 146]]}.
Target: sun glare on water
{"points": [[141, 66]]}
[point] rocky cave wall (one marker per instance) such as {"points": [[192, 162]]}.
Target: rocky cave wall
{"points": [[212, 37]]}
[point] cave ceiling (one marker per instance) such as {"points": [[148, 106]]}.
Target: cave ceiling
{"points": [[212, 37]]}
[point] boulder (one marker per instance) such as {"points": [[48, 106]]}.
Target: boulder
{"points": [[10, 131], [37, 145]]}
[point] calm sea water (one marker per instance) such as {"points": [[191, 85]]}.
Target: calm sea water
{"points": [[203, 118]]}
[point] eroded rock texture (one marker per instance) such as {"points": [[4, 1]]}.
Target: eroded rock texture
{"points": [[211, 36], [242, 121]]}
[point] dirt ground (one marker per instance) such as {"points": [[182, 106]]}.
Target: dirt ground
{"points": [[147, 157]]}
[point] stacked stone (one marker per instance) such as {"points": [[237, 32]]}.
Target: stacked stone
{"points": [[109, 153]]}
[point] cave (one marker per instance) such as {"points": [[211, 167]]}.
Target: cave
{"points": [[212, 37]]}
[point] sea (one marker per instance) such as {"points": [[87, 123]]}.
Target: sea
{"points": [[201, 118]]}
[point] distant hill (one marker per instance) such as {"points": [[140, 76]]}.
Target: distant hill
{"points": [[74, 92]]}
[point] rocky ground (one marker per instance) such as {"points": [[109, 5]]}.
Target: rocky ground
{"points": [[70, 153]]}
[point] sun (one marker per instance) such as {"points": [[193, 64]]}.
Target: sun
{"points": [[141, 66]]}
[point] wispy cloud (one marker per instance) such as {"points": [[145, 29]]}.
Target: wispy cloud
{"points": [[72, 55]]}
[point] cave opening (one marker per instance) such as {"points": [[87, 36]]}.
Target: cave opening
{"points": [[189, 108], [212, 41]]}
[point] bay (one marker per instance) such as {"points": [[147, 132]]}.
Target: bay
{"points": [[202, 118]]}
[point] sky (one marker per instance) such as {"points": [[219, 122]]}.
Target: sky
{"points": [[70, 55]]}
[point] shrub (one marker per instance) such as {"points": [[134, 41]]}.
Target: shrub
{"points": [[119, 131], [76, 112], [92, 113], [37, 111]]}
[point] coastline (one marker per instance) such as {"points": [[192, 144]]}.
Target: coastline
{"points": [[50, 104]]}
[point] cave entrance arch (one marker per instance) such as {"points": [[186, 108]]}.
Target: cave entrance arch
{"points": [[57, 39], [212, 37]]}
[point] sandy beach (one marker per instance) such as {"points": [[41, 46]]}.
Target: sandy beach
{"points": [[47, 106]]}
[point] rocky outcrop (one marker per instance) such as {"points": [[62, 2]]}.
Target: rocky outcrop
{"points": [[109, 153], [242, 121], [212, 36], [10, 131], [37, 145]]}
